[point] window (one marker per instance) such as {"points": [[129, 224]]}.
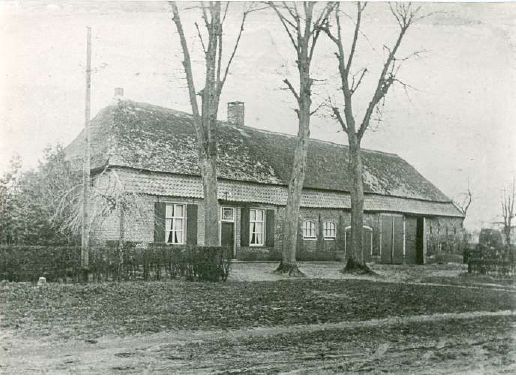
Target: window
{"points": [[329, 230], [228, 214], [256, 227], [175, 223], [309, 229]]}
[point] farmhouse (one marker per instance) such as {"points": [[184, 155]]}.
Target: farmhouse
{"points": [[150, 152]]}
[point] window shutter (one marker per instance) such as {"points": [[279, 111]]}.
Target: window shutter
{"points": [[269, 231], [159, 222], [191, 224], [244, 227]]}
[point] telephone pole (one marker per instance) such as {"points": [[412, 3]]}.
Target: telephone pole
{"points": [[85, 228]]}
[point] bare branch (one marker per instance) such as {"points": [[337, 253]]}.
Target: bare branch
{"points": [[291, 88], [226, 72], [200, 37], [360, 9], [225, 13], [285, 22], [354, 86], [339, 118], [405, 16], [187, 63]]}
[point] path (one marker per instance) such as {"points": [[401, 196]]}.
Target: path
{"points": [[158, 353]]}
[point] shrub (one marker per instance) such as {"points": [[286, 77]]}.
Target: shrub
{"points": [[114, 261], [28, 263]]}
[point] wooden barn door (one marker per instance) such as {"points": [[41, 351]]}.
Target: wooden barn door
{"points": [[386, 234], [393, 239], [399, 238]]}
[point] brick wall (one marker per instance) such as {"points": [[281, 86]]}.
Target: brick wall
{"points": [[442, 234]]}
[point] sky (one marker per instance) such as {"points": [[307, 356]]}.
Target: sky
{"points": [[455, 122]]}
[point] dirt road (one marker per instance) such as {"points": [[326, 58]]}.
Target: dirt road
{"points": [[475, 342]]}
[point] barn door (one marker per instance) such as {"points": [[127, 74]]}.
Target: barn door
{"points": [[398, 237], [386, 234], [393, 239]]}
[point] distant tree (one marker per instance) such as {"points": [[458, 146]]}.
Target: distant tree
{"points": [[405, 15], [8, 189], [302, 22], [463, 200], [29, 215], [507, 202], [213, 16]]}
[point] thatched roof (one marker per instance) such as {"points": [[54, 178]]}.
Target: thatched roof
{"points": [[156, 139]]}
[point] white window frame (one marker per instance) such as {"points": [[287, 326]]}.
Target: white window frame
{"points": [[253, 222], [309, 225], [232, 220], [329, 226], [173, 219], [346, 238]]}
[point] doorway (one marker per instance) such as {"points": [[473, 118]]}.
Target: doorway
{"points": [[227, 229], [420, 245]]}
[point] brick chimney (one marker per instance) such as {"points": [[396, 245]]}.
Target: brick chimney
{"points": [[236, 113], [119, 94]]}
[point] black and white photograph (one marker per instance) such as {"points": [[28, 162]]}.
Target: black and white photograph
{"points": [[238, 187]]}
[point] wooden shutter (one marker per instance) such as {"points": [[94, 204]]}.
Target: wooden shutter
{"points": [[191, 224], [269, 231], [244, 227], [159, 222]]}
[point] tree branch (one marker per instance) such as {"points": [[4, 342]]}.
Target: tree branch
{"points": [[336, 112], [200, 37], [291, 88], [285, 22]]}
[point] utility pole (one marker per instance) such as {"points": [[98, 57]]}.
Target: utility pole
{"points": [[85, 228]]}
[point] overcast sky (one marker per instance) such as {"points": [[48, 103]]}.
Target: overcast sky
{"points": [[457, 122]]}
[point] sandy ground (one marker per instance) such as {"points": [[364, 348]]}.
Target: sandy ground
{"points": [[164, 353], [470, 342]]}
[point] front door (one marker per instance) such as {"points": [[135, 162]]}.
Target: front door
{"points": [[227, 229]]}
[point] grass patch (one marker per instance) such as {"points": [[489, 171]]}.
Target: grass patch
{"points": [[90, 311]]}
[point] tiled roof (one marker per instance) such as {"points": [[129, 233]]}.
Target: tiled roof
{"points": [[153, 138], [191, 187]]}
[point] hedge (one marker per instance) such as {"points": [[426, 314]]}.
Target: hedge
{"points": [[114, 262], [488, 260]]}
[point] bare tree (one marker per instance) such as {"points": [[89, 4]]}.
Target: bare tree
{"points": [[463, 201], [508, 214], [405, 15], [213, 15], [302, 23]]}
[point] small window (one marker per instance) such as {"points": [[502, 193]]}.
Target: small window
{"points": [[175, 223], [309, 229], [256, 227], [329, 230], [228, 214]]}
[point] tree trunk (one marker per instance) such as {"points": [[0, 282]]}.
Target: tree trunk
{"points": [[211, 204], [288, 263], [355, 255]]}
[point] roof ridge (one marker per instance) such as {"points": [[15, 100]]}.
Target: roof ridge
{"points": [[227, 124]]}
